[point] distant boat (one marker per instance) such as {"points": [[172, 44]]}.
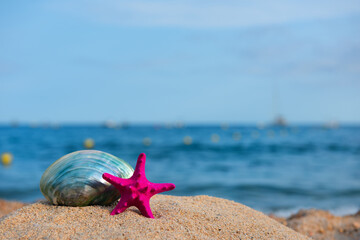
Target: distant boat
{"points": [[331, 125], [280, 122], [114, 125], [109, 124]]}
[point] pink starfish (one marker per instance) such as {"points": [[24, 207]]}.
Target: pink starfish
{"points": [[137, 190]]}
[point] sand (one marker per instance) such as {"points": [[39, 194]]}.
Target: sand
{"points": [[321, 225], [200, 217]]}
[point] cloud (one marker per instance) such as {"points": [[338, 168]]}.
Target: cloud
{"points": [[204, 14]]}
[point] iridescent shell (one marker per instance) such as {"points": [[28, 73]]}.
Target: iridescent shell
{"points": [[76, 179]]}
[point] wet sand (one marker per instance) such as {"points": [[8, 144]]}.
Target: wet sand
{"points": [[200, 217]]}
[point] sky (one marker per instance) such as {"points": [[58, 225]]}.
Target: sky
{"points": [[192, 61]]}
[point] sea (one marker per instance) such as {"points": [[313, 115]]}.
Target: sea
{"points": [[271, 169]]}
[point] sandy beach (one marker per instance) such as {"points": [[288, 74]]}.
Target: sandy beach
{"points": [[200, 217]]}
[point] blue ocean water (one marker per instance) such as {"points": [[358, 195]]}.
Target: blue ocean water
{"points": [[278, 170]]}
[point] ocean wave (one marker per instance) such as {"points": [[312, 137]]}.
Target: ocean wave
{"points": [[271, 190], [268, 148]]}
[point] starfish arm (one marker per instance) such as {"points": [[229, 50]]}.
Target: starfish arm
{"points": [[115, 181], [140, 166], [162, 187], [120, 207], [145, 209]]}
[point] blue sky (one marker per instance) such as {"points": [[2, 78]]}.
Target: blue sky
{"points": [[193, 61]]}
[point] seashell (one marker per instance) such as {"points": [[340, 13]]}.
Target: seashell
{"points": [[76, 179]]}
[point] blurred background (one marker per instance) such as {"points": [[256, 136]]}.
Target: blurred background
{"points": [[253, 101]]}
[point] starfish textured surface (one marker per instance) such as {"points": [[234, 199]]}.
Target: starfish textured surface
{"points": [[137, 190]]}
